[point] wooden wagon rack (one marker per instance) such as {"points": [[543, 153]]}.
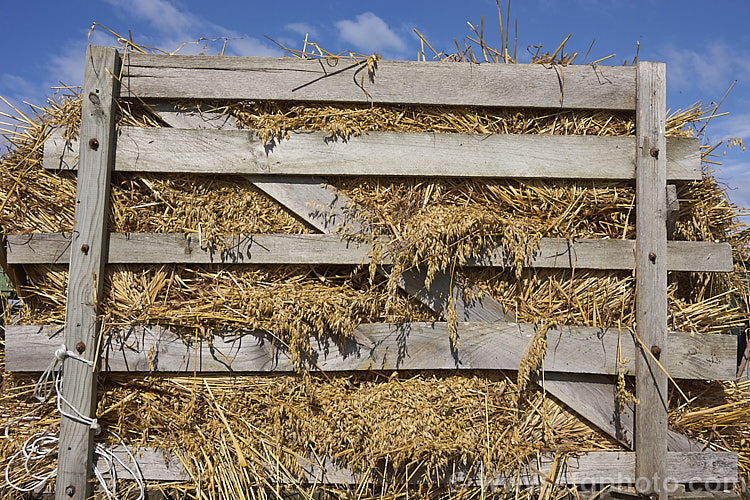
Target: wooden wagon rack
{"points": [[490, 338]]}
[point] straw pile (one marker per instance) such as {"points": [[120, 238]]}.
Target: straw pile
{"points": [[229, 430]]}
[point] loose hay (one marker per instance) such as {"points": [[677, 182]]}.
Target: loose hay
{"points": [[425, 421], [365, 421]]}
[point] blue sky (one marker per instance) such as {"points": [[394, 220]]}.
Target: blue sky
{"points": [[706, 45]]}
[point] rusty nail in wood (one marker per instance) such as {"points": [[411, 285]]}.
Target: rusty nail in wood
{"points": [[652, 257], [80, 347], [656, 351], [85, 249], [654, 152], [94, 143], [70, 490]]}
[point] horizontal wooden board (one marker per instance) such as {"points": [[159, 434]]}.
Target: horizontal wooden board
{"points": [[171, 150], [459, 84], [172, 248], [155, 464], [593, 468], [406, 346]]}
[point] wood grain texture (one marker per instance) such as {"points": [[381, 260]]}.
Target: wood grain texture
{"points": [[673, 210], [601, 394], [172, 150], [85, 280], [172, 248], [406, 346], [616, 468], [592, 468], [651, 280], [462, 84], [190, 117], [155, 464], [15, 273], [313, 201]]}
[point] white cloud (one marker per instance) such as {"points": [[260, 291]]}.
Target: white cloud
{"points": [[289, 42], [16, 90], [249, 46], [4, 108], [302, 29], [16, 85], [736, 176], [711, 70], [733, 125], [6, 123], [161, 14], [369, 33], [67, 66], [177, 27]]}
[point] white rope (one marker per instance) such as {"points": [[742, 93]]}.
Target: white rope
{"points": [[41, 391], [110, 458], [34, 448], [78, 416], [42, 444]]}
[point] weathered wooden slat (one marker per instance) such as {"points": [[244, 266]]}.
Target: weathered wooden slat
{"points": [[592, 468], [169, 248], [601, 395], [673, 209], [85, 279], [172, 150], [406, 346], [190, 117], [651, 281], [172, 248], [463, 84], [15, 273], [155, 464]]}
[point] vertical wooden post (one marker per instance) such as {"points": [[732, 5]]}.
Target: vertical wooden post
{"points": [[651, 280], [86, 276]]}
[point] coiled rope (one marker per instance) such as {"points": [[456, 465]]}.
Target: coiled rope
{"points": [[42, 444]]}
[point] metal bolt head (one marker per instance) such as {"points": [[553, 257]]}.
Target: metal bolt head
{"points": [[656, 351], [80, 347], [70, 490], [654, 152], [94, 143], [85, 249], [652, 256]]}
